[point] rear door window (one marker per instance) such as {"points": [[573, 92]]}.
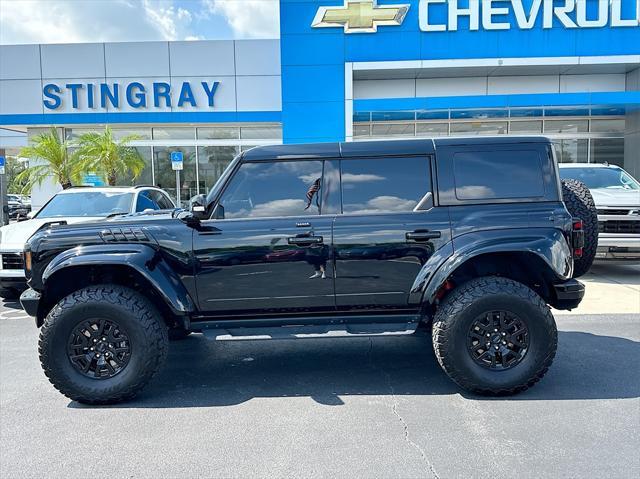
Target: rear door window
{"points": [[385, 185], [501, 174]]}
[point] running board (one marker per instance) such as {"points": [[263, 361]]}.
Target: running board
{"points": [[306, 328], [310, 332]]}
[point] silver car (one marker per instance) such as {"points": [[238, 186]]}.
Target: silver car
{"points": [[617, 197]]}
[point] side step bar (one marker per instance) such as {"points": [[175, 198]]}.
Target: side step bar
{"points": [[288, 329]]}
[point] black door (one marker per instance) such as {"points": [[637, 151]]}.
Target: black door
{"points": [[272, 250], [388, 231]]}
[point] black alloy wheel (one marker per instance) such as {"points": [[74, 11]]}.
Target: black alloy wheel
{"points": [[99, 348], [498, 340]]}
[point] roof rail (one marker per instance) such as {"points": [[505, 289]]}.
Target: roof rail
{"points": [[145, 186]]}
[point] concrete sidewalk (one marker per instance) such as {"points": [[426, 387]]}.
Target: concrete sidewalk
{"points": [[612, 288]]}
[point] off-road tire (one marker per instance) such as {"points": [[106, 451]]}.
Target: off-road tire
{"points": [[178, 334], [580, 204], [456, 314], [133, 313]]}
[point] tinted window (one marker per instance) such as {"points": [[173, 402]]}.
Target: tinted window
{"points": [[162, 200], [145, 202], [87, 203], [384, 185], [483, 175], [284, 188]]}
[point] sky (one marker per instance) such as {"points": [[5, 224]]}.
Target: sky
{"points": [[81, 21]]}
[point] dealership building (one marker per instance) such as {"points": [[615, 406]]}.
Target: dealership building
{"points": [[346, 70]]}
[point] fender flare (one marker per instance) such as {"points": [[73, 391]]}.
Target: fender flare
{"points": [[143, 259], [548, 244]]}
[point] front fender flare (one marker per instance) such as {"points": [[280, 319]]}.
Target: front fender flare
{"points": [[548, 244], [143, 259]]}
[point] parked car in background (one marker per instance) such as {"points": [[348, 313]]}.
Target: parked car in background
{"points": [[617, 199], [70, 206], [18, 206]]}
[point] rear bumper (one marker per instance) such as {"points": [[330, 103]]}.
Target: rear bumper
{"points": [[568, 294], [30, 300]]}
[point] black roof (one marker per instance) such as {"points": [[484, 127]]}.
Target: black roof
{"points": [[375, 148]]}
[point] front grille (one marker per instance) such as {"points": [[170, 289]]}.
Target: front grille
{"points": [[619, 226], [12, 261], [613, 211]]}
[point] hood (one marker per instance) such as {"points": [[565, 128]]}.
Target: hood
{"points": [[15, 235], [615, 197]]}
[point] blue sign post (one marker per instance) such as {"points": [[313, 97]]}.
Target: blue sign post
{"points": [[176, 165], [2, 163]]}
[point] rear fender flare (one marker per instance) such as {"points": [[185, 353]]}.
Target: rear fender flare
{"points": [[141, 258], [548, 244]]}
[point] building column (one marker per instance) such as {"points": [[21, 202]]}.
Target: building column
{"points": [[632, 129]]}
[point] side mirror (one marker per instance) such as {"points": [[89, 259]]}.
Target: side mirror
{"points": [[197, 206]]}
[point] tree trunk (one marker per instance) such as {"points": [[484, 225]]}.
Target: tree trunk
{"points": [[66, 184], [111, 179]]}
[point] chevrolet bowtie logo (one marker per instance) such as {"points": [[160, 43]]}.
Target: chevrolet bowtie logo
{"points": [[360, 16]]}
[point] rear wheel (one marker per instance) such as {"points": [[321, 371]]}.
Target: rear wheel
{"points": [[102, 344], [494, 336], [579, 203]]}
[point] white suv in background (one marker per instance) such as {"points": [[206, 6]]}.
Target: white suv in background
{"points": [[74, 205], [617, 197]]}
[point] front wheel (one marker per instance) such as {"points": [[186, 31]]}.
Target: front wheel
{"points": [[494, 336], [102, 344]]}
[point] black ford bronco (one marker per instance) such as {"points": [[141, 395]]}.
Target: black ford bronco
{"points": [[466, 238]]}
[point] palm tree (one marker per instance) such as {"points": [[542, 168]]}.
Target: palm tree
{"points": [[110, 158], [49, 157]]}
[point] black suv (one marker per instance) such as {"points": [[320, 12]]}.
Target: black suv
{"points": [[468, 237]]}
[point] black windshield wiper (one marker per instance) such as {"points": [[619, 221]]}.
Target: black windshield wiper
{"points": [[111, 215]]}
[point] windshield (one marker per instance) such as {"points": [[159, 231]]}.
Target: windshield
{"points": [[86, 203], [601, 177]]}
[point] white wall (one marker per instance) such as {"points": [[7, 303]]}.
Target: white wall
{"points": [[487, 85], [248, 72]]}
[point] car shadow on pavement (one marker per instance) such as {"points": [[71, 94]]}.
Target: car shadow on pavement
{"points": [[202, 373]]}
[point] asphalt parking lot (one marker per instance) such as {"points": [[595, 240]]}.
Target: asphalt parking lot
{"points": [[360, 407]]}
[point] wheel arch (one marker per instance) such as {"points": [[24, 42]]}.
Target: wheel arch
{"points": [[138, 267], [537, 259]]}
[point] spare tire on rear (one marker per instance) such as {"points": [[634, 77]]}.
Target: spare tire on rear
{"points": [[579, 203]]}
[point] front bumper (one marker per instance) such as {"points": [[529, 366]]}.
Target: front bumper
{"points": [[618, 247], [569, 294], [30, 300]]}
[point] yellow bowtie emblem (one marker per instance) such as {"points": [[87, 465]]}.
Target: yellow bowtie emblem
{"points": [[360, 16]]}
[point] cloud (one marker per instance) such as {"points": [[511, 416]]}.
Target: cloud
{"points": [[72, 21], [381, 204], [249, 18], [286, 207], [360, 178]]}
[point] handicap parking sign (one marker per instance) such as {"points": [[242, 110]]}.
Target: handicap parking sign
{"points": [[176, 160]]}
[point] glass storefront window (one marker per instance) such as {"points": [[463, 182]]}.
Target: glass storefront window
{"points": [[571, 151], [533, 126], [146, 176], [433, 115], [393, 115], [165, 177], [608, 126], [566, 126], [479, 128], [219, 133], [362, 129], [479, 114], [141, 133], [76, 133], [174, 133], [266, 132], [432, 129], [609, 150], [393, 129], [212, 161]]}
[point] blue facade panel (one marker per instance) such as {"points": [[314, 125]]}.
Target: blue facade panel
{"points": [[407, 42]]}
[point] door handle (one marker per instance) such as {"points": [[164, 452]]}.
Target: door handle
{"points": [[305, 240], [423, 235]]}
